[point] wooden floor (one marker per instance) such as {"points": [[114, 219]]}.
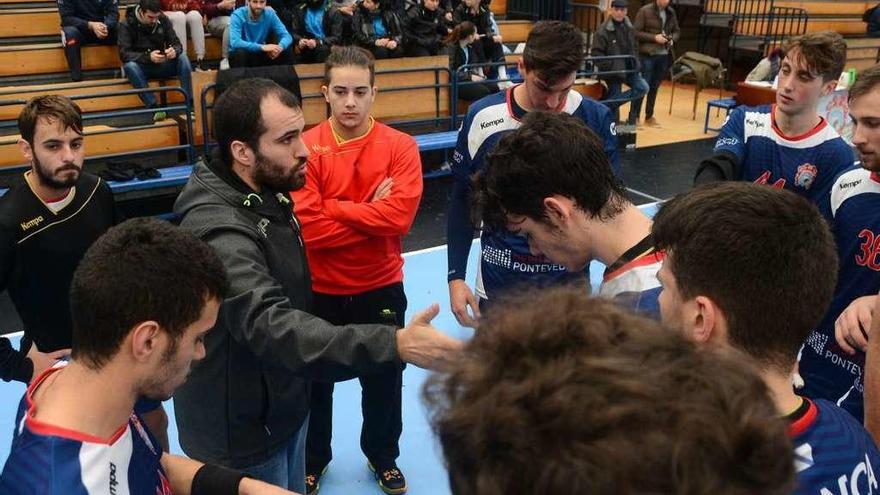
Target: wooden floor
{"points": [[680, 126]]}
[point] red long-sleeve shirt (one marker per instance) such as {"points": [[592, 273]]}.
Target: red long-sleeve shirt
{"points": [[353, 243]]}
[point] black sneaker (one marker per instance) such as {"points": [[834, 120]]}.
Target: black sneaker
{"points": [[313, 482], [390, 478]]}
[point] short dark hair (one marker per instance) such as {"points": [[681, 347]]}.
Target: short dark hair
{"points": [[559, 393], [554, 49], [53, 107], [551, 153], [347, 55], [866, 81], [824, 53], [150, 5], [237, 115], [140, 270], [765, 256]]}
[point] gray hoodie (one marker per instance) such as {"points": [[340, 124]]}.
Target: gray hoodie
{"points": [[250, 394]]}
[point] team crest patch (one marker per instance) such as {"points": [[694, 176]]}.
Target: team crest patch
{"points": [[806, 175]]}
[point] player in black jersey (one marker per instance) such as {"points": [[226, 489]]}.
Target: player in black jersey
{"points": [[48, 219]]}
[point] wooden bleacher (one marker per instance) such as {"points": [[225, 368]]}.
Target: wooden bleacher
{"points": [[48, 58], [103, 140], [30, 46]]}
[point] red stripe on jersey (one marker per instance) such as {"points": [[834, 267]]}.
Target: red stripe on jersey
{"points": [[800, 137], [644, 260], [805, 422]]}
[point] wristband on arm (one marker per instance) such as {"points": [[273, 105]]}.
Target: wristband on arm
{"points": [[216, 480]]}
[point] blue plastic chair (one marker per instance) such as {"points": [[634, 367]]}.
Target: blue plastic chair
{"points": [[726, 103]]}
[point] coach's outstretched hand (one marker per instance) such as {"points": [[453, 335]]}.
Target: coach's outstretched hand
{"points": [[421, 344]]}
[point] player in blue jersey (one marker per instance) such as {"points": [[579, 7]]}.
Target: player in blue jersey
{"points": [[737, 277], [788, 145], [563, 394], [142, 299], [553, 53], [550, 182], [833, 359]]}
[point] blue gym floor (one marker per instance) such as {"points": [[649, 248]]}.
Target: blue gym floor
{"points": [[420, 457]]}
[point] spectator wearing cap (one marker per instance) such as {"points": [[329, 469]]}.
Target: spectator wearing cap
{"points": [[615, 37]]}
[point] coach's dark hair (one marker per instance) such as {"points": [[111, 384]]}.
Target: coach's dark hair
{"points": [[823, 53], [141, 270], [551, 153], [765, 256], [150, 5], [57, 108], [237, 114], [344, 56], [559, 393], [554, 50], [866, 81]]}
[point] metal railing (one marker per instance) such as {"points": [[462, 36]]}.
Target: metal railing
{"points": [[587, 18], [185, 108], [589, 70], [438, 85]]}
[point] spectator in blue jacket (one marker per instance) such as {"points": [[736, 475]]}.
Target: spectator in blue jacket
{"points": [[86, 22], [250, 44]]}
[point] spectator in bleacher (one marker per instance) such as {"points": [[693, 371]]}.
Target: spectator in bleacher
{"points": [[616, 36], [377, 27], [461, 41], [86, 22], [657, 30], [553, 54], [48, 219], [316, 28], [246, 406], [362, 190], [488, 46], [872, 18], [345, 9], [149, 49], [767, 68], [250, 28], [185, 14], [285, 10], [217, 13], [424, 28]]}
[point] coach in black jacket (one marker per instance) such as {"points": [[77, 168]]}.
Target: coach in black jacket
{"points": [[149, 49], [85, 22], [246, 403]]}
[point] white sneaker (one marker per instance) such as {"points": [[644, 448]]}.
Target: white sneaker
{"points": [[224, 64]]}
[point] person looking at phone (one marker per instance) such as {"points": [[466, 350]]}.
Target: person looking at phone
{"points": [[149, 49]]}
